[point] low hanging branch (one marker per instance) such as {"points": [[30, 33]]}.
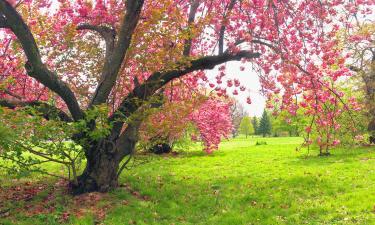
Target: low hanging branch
{"points": [[46, 110], [132, 102]]}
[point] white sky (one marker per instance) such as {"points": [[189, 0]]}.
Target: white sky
{"points": [[249, 79]]}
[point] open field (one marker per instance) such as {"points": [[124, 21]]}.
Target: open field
{"points": [[242, 183]]}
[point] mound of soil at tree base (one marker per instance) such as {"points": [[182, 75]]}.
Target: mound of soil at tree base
{"points": [[161, 148]]}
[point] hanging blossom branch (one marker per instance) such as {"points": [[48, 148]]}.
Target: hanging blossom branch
{"points": [[157, 80]]}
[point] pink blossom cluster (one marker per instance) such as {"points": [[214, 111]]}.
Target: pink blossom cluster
{"points": [[213, 121]]}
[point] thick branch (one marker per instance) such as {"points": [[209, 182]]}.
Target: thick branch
{"points": [[129, 137], [107, 33], [126, 142], [223, 26], [142, 93], [46, 110], [113, 64], [193, 10], [34, 66], [3, 22]]}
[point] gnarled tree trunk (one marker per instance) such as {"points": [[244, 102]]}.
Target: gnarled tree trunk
{"points": [[101, 171], [103, 161]]}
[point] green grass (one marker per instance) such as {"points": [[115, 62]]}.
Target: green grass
{"points": [[244, 183]]}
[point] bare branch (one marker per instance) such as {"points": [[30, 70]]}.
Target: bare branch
{"points": [[34, 66], [123, 166], [113, 64]]}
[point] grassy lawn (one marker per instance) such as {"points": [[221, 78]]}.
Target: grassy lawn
{"points": [[242, 183]]}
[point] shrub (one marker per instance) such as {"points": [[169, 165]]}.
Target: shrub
{"points": [[261, 143]]}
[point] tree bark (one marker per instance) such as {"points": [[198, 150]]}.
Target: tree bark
{"points": [[104, 158], [101, 170]]}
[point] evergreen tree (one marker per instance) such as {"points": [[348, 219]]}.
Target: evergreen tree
{"points": [[254, 122], [265, 124]]}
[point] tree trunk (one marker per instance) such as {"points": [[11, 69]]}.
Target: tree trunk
{"points": [[104, 158], [100, 173], [369, 79]]}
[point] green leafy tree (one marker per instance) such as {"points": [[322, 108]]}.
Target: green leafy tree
{"points": [[264, 124], [254, 122], [284, 125], [245, 127]]}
